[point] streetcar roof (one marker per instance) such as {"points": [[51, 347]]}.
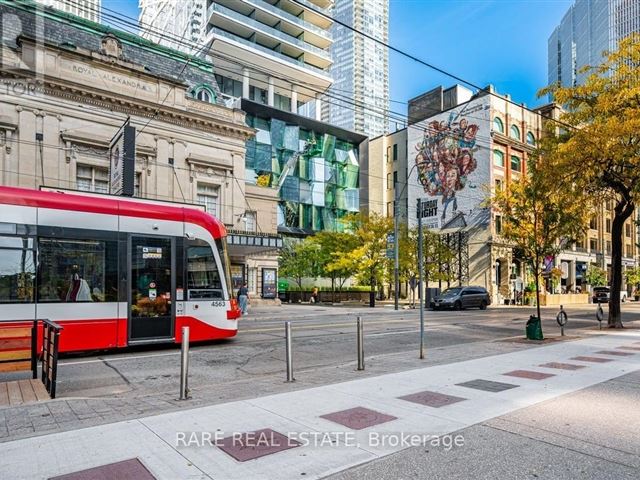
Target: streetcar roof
{"points": [[111, 205]]}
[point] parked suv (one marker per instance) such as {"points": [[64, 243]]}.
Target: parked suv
{"points": [[602, 295], [462, 297]]}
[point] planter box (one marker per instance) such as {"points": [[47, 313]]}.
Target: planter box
{"points": [[565, 299]]}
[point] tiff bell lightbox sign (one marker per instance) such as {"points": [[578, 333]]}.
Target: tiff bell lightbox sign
{"points": [[122, 156]]}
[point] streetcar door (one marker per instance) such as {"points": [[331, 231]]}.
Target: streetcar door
{"points": [[151, 289]]}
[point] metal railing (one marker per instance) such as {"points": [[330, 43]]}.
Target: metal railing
{"points": [[50, 344]]}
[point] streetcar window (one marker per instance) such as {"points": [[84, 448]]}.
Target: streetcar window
{"points": [[203, 277], [17, 270], [77, 270]]}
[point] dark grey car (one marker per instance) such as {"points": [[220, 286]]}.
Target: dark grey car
{"points": [[458, 298]]}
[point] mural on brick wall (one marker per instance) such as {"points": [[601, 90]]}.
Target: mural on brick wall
{"points": [[450, 154]]}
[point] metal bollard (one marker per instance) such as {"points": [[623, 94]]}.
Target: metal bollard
{"points": [[561, 318], [184, 365], [360, 342], [289, 352]]}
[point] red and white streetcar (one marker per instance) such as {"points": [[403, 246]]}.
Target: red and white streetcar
{"points": [[113, 271]]}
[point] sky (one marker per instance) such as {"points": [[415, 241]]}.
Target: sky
{"points": [[499, 42]]}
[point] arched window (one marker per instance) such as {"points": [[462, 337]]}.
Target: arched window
{"points": [[531, 140], [498, 158], [515, 132], [498, 126], [204, 93]]}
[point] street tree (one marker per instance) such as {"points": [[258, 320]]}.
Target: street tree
{"points": [[299, 260], [595, 276], [600, 147], [331, 248], [368, 257], [541, 214]]}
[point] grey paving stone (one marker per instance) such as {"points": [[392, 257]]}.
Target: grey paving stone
{"points": [[487, 385]]}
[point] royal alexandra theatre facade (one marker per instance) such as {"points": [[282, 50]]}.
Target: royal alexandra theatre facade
{"points": [[69, 85]]}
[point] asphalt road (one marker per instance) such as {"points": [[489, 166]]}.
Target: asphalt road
{"points": [[324, 338]]}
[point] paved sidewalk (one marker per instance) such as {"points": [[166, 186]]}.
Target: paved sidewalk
{"points": [[334, 427]]}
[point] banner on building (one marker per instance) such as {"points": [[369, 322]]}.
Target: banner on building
{"points": [[122, 159]]}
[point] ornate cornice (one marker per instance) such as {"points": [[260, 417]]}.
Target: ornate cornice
{"points": [[192, 119]]}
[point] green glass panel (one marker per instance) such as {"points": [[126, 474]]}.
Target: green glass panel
{"points": [[306, 216], [317, 219], [328, 147], [351, 176], [305, 192], [291, 138], [250, 155], [277, 133], [290, 189], [263, 158], [330, 196]]}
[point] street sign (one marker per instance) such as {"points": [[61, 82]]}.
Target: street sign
{"points": [[427, 208]]}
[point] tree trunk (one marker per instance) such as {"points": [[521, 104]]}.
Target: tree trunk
{"points": [[372, 292], [623, 211]]}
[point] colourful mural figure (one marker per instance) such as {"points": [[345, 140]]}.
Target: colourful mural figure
{"points": [[445, 159]]}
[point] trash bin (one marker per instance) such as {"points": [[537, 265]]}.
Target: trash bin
{"points": [[534, 328]]}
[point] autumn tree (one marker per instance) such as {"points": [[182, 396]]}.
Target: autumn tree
{"points": [[541, 213], [600, 143], [367, 260], [332, 247]]}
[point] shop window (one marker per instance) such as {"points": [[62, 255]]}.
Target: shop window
{"points": [[17, 270], [92, 179], [208, 196], [73, 270], [237, 276], [498, 126], [252, 280], [498, 158], [203, 277]]}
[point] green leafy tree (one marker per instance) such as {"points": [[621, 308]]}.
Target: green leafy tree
{"points": [[601, 152], [331, 248], [633, 279], [595, 276], [368, 258], [299, 259], [541, 213]]}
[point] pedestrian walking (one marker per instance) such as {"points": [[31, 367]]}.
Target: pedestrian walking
{"points": [[314, 295], [243, 298]]}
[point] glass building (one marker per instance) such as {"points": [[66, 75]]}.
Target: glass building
{"points": [[314, 166], [589, 28]]}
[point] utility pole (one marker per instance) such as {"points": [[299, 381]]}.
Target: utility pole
{"points": [[396, 265], [421, 291]]}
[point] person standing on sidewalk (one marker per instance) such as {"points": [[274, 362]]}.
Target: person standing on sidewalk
{"points": [[243, 298]]}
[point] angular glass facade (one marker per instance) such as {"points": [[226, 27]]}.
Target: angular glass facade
{"points": [[316, 174]]}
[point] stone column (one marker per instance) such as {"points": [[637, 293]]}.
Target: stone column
{"points": [[245, 83], [271, 93], [318, 108], [294, 99]]}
